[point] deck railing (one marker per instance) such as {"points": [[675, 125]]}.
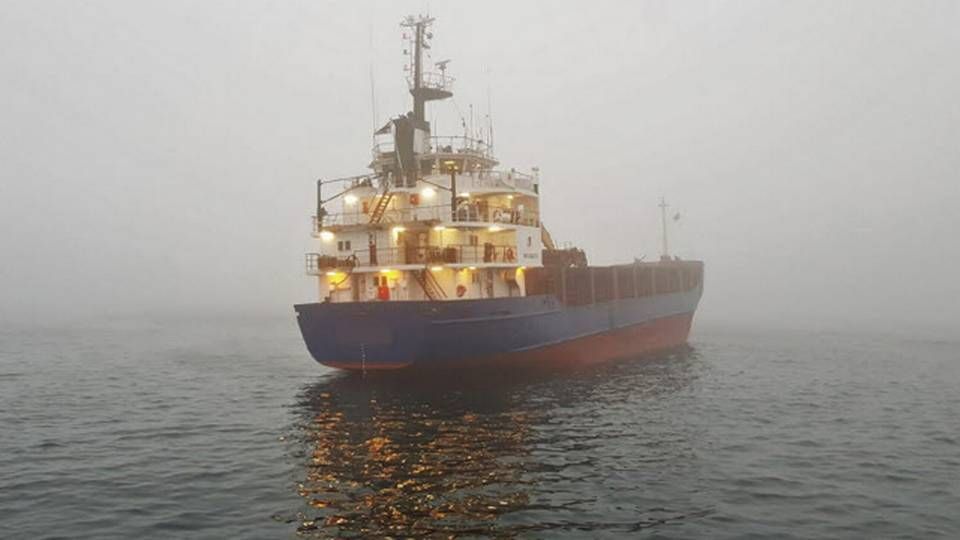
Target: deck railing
{"points": [[425, 255], [433, 79], [458, 144], [467, 211], [444, 145], [499, 179]]}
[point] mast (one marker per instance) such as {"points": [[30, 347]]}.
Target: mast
{"points": [[436, 86], [665, 254], [418, 100]]}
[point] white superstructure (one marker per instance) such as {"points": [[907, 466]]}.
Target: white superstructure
{"points": [[436, 219]]}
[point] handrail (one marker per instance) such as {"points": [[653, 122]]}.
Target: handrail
{"points": [[433, 79], [420, 255], [495, 179], [459, 144], [444, 144], [467, 212]]}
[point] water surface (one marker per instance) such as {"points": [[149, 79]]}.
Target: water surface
{"points": [[217, 429]]}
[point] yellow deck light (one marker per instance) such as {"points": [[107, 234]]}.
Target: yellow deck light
{"points": [[495, 228], [428, 193], [326, 236], [436, 268], [350, 199]]}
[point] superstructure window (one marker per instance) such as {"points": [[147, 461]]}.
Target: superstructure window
{"points": [[343, 245]]}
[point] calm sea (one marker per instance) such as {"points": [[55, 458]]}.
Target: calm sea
{"points": [[207, 429]]}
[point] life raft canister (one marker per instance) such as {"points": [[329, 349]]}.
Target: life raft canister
{"points": [[383, 292], [509, 254]]}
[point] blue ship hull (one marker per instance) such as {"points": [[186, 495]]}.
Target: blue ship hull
{"points": [[450, 334]]}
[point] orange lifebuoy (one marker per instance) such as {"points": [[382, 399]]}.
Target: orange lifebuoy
{"points": [[461, 290]]}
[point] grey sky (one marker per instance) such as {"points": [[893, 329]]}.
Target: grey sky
{"points": [[160, 156]]}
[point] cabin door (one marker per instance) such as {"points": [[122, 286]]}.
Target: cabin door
{"points": [[359, 284], [413, 245], [488, 282]]}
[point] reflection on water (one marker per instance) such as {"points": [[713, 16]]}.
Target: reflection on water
{"points": [[477, 454]]}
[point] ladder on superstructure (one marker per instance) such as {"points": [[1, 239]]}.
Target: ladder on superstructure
{"points": [[429, 284], [382, 203]]}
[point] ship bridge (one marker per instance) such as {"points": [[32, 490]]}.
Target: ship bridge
{"points": [[466, 153]]}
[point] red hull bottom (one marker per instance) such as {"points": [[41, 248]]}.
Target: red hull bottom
{"points": [[655, 335], [636, 340]]}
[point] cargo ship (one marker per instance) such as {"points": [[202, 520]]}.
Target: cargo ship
{"points": [[438, 258]]}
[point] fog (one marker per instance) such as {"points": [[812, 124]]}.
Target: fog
{"points": [[160, 157]]}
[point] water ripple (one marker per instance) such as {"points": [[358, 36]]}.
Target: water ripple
{"points": [[226, 429]]}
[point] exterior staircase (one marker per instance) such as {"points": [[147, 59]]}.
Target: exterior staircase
{"points": [[429, 284], [382, 203], [546, 238]]}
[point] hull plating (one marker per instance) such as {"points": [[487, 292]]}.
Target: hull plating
{"points": [[393, 335]]}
